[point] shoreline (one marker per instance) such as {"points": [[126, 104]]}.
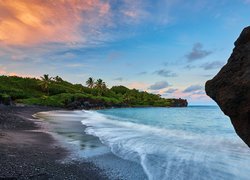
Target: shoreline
{"points": [[67, 128], [28, 151]]}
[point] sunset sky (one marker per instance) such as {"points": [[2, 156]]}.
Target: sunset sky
{"points": [[170, 47]]}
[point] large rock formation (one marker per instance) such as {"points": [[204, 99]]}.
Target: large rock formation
{"points": [[230, 88]]}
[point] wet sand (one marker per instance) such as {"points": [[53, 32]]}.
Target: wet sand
{"points": [[67, 128]]}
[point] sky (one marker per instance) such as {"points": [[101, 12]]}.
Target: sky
{"points": [[167, 47]]}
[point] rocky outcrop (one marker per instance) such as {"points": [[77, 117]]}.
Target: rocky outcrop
{"points": [[230, 88], [179, 103], [89, 103]]}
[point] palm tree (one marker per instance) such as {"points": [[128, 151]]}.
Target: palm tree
{"points": [[100, 86], [103, 85], [90, 82], [58, 79], [45, 81], [99, 83]]}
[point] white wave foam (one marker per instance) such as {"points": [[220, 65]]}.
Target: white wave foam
{"points": [[169, 154]]}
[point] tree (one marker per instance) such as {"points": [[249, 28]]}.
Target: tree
{"points": [[100, 86], [126, 98], [45, 81], [58, 79], [103, 85], [120, 89], [90, 82], [99, 83]]}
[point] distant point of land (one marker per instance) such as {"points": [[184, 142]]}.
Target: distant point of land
{"points": [[56, 92]]}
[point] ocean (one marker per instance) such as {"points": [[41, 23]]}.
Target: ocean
{"points": [[197, 142]]}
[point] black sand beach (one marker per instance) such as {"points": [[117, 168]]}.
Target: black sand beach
{"points": [[27, 152]]}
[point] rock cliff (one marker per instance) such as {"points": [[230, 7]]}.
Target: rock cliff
{"points": [[230, 88]]}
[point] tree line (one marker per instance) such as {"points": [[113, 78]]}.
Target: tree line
{"points": [[99, 84], [54, 91]]}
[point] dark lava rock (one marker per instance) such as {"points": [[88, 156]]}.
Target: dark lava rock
{"points": [[88, 103], [5, 99], [230, 88], [179, 103]]}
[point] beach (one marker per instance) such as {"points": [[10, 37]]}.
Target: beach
{"points": [[27, 151], [125, 143], [152, 143]]}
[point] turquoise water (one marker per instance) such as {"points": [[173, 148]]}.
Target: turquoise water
{"points": [[173, 143]]}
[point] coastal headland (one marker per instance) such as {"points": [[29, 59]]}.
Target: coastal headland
{"points": [[56, 92]]}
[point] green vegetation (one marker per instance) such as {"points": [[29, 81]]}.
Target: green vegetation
{"points": [[57, 92], [45, 83], [90, 82]]}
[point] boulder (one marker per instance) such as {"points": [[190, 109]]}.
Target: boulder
{"points": [[230, 88]]}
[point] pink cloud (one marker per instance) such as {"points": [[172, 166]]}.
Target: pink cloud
{"points": [[138, 85], [130, 14], [32, 22], [70, 22], [2, 70], [191, 97], [21, 75], [134, 11]]}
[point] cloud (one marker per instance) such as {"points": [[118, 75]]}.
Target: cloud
{"points": [[118, 79], [207, 75], [134, 11], [159, 85], [2, 70], [197, 53], [165, 73], [75, 65], [173, 93], [114, 55], [32, 22], [199, 92], [142, 73], [41, 30], [171, 90], [21, 75], [246, 1], [71, 22], [137, 85], [212, 65], [165, 63], [193, 88], [189, 67]]}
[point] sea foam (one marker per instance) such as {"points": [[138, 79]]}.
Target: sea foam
{"points": [[170, 153]]}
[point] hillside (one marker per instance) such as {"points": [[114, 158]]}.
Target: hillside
{"points": [[59, 93]]}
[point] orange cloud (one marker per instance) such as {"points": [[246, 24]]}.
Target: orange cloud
{"points": [[4, 72], [39, 21], [21, 75]]}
